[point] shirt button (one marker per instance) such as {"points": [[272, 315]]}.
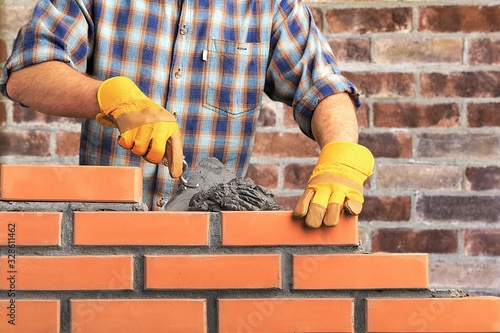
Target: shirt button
{"points": [[183, 31], [178, 74]]}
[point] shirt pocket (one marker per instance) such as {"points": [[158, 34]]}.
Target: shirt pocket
{"points": [[235, 76]]}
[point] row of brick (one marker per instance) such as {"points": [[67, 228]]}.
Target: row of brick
{"points": [[216, 271], [481, 314]]}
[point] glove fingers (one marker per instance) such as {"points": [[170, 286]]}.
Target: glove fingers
{"points": [[314, 217], [332, 215], [353, 206], [155, 151], [174, 154], [126, 139], [303, 203]]}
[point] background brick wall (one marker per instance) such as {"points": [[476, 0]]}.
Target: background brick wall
{"points": [[430, 82]]}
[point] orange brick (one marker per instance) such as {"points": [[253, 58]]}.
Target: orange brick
{"points": [[69, 273], [213, 271], [138, 316], [30, 229], [279, 228], [286, 315], [70, 183], [31, 316], [141, 228], [360, 271], [470, 314]]}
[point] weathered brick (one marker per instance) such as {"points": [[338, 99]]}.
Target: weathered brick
{"points": [[484, 51], [288, 202], [3, 113], [15, 16], [277, 144], [350, 49], [421, 176], [459, 18], [369, 20], [68, 143], [362, 116], [22, 115], [30, 143], [403, 240], [3, 50], [288, 120], [458, 145], [33, 316], [385, 208], [469, 208], [461, 84], [388, 144], [483, 114], [417, 50], [483, 178], [477, 274], [297, 175], [482, 242], [264, 174], [415, 115], [383, 84], [267, 116], [317, 14]]}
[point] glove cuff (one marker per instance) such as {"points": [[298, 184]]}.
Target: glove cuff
{"points": [[352, 154]]}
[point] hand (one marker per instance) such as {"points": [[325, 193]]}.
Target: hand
{"points": [[146, 128], [336, 184]]}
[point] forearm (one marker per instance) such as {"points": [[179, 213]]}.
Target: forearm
{"points": [[334, 119], [56, 89]]}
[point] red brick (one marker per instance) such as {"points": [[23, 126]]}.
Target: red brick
{"points": [[483, 178], [461, 84], [360, 271], [278, 144], [483, 114], [34, 143], [481, 314], [483, 242], [297, 175], [385, 208], [3, 50], [458, 145], [89, 183], [288, 120], [242, 271], [461, 19], [350, 49], [141, 228], [288, 202], [375, 84], [28, 115], [317, 14], [481, 274], [484, 51], [70, 273], [68, 144], [388, 144], [30, 229], [404, 240], [31, 316], [264, 174], [138, 315], [286, 315], [280, 228], [267, 116], [414, 115], [3, 113]]}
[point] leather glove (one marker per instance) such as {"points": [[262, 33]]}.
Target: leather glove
{"points": [[336, 184], [146, 128]]}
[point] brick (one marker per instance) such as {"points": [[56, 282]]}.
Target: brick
{"points": [[476, 275], [481, 314], [484, 51], [280, 228], [278, 144], [458, 145], [404, 240], [414, 115], [317, 14], [33, 316], [3, 50], [460, 84], [68, 144], [263, 315], [417, 50], [471, 208], [22, 114], [288, 120], [386, 208], [141, 228], [30, 228], [34, 143], [89, 183], [138, 315], [288, 202], [70, 272], [374, 84], [297, 175], [403, 176], [483, 178], [362, 116], [17, 16], [484, 242], [3, 113], [461, 19], [483, 114], [350, 49], [264, 174], [360, 271], [267, 116], [369, 20], [245, 271], [396, 145]]}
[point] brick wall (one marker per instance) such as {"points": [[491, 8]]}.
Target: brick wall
{"points": [[429, 77], [88, 258]]}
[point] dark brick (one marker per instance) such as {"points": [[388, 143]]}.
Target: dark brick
{"points": [[284, 145], [350, 49], [264, 174], [387, 144], [383, 84], [288, 120], [317, 14], [483, 178], [469, 208], [460, 18], [22, 114], [287, 202], [402, 240], [267, 116], [68, 143], [3, 50], [384, 208], [483, 114], [415, 115], [3, 113], [485, 242], [30, 143], [297, 175], [484, 51], [369, 20], [461, 84], [458, 145]]}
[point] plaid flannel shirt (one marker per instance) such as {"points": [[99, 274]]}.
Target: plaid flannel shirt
{"points": [[209, 61]]}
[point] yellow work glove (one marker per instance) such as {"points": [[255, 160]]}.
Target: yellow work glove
{"points": [[146, 128], [336, 184]]}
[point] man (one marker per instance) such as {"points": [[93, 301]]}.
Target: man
{"points": [[186, 78]]}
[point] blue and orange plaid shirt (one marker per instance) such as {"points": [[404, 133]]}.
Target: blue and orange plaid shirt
{"points": [[209, 61]]}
